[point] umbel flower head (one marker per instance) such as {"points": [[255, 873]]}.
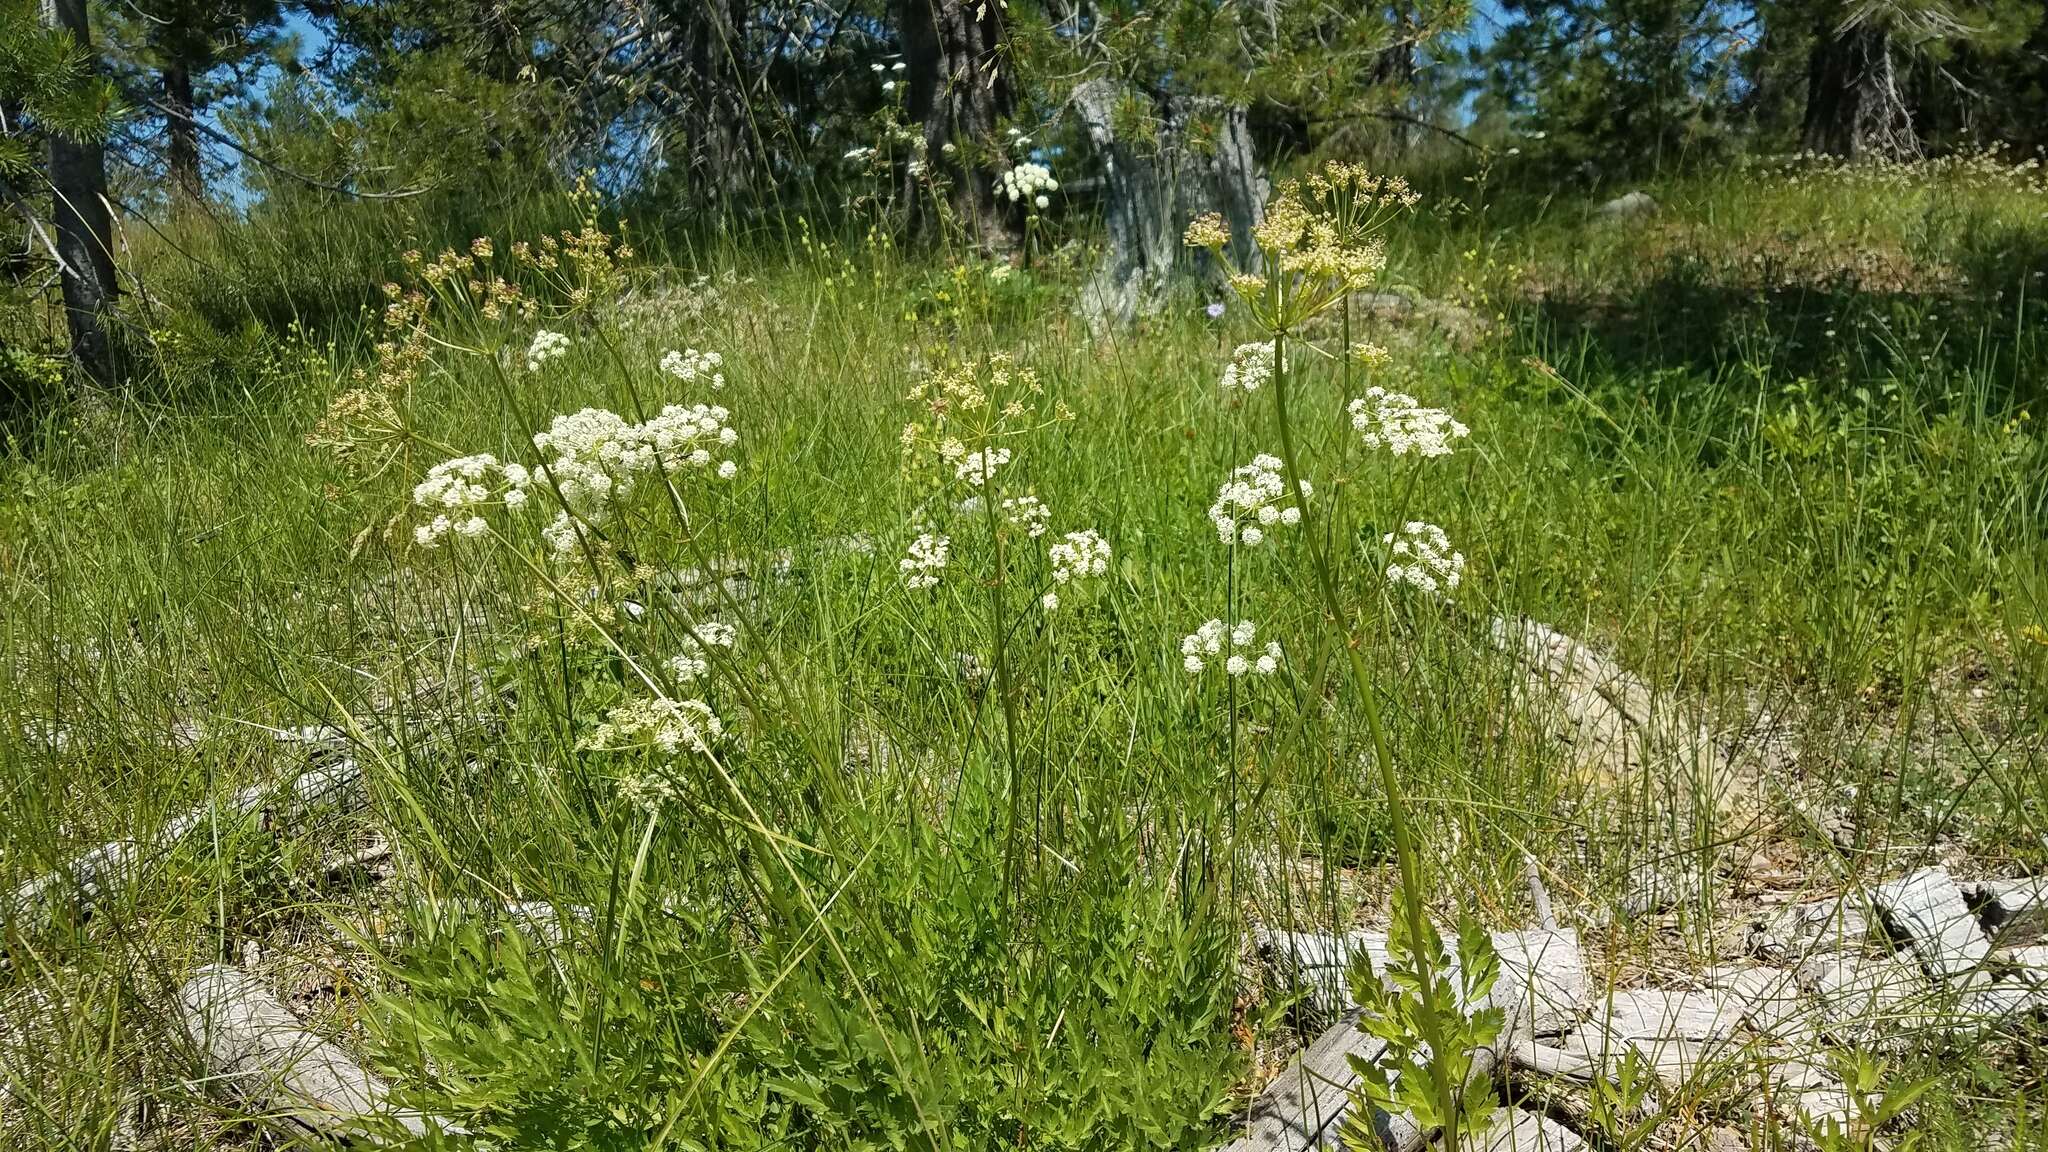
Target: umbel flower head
{"points": [[1235, 645], [1396, 422], [1249, 502], [692, 658], [457, 491], [661, 725], [690, 366], [1028, 513], [1421, 555], [1250, 367], [924, 562], [1080, 556], [1029, 182], [546, 346], [979, 467], [1314, 246]]}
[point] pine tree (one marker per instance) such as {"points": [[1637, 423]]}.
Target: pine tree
{"points": [[57, 109]]}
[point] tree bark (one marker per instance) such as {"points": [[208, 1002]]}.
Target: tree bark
{"points": [[78, 182], [1152, 188], [717, 129], [1854, 108], [960, 89], [181, 133]]}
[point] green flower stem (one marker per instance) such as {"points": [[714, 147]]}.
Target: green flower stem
{"points": [[1397, 805]]}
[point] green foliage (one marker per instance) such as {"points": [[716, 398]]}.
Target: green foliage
{"points": [[1612, 87], [1879, 1099], [1620, 1103], [49, 85], [1424, 992]]}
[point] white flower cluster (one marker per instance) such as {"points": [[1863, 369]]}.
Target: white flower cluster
{"points": [[1394, 421], [690, 365], [1028, 513], [546, 346], [1422, 556], [978, 468], [1029, 181], [1247, 505], [666, 726], [684, 437], [1078, 557], [693, 659], [456, 489], [927, 558], [595, 457], [1237, 645], [1249, 368], [647, 791]]}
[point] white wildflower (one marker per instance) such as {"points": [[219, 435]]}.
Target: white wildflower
{"points": [[456, 489], [560, 534], [978, 468], [647, 790], [1028, 513], [546, 346], [1422, 556], [1396, 422], [1250, 367], [690, 365], [1081, 555], [1249, 502], [688, 438], [1026, 181], [926, 559], [1236, 644], [692, 660], [669, 727], [594, 457]]}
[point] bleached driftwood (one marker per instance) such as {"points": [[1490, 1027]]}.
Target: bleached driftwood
{"points": [[1929, 910], [1795, 931], [92, 875], [1518, 1130], [252, 1046], [2012, 912], [1542, 981], [1616, 726]]}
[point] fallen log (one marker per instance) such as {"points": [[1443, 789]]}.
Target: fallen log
{"points": [[253, 1047], [1541, 984], [94, 874]]}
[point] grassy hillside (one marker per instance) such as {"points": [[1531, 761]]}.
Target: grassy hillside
{"points": [[960, 869]]}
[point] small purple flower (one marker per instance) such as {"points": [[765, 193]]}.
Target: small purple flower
{"points": [[1215, 310]]}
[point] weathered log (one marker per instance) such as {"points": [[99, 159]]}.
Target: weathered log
{"points": [[251, 1045], [92, 875], [2011, 912], [1517, 1130], [1929, 910], [1541, 984], [1542, 980], [1616, 726]]}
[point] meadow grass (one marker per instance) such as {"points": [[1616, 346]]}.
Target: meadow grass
{"points": [[964, 872]]}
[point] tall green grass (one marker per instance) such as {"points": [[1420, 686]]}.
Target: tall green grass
{"points": [[910, 905]]}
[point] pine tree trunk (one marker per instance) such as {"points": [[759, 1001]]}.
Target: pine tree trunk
{"points": [[181, 133], [78, 183], [718, 125], [1153, 187], [1854, 108], [960, 89]]}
